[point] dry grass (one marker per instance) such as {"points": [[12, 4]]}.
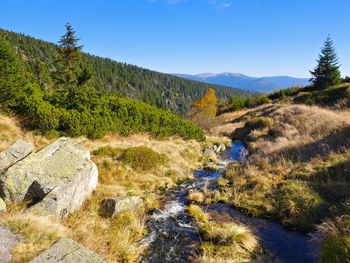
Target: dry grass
{"points": [[36, 233], [297, 164], [10, 131], [301, 127], [116, 240], [198, 214], [195, 197], [229, 233]]}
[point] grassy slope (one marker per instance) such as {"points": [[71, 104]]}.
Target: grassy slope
{"points": [[116, 240], [299, 166]]}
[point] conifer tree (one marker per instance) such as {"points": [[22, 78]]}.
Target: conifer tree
{"points": [[326, 73], [71, 76], [11, 74]]}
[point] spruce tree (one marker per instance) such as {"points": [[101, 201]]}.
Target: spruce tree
{"points": [[326, 73], [12, 75], [71, 76]]}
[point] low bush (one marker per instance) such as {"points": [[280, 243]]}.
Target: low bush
{"points": [[143, 158]]}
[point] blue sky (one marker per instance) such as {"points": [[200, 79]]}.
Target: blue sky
{"points": [[254, 37]]}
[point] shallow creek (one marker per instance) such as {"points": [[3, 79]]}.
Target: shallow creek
{"points": [[174, 238]]}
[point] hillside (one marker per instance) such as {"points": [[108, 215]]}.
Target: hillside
{"points": [[256, 84], [297, 171], [158, 89]]}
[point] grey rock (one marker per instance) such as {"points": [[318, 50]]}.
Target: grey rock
{"points": [[67, 251], [210, 154], [56, 180], [16, 152], [112, 206], [2, 206], [7, 242]]}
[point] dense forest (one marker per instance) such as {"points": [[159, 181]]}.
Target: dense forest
{"points": [[60, 96], [158, 89]]}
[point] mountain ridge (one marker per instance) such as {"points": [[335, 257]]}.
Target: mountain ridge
{"points": [[264, 84]]}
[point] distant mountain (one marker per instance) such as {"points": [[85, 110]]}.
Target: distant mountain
{"points": [[237, 80]]}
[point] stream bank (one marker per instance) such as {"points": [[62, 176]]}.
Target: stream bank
{"points": [[173, 236]]}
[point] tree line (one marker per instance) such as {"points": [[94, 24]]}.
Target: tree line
{"points": [[161, 90]]}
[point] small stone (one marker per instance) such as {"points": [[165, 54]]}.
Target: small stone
{"points": [[2, 206], [16, 152], [66, 250], [112, 206], [8, 241]]}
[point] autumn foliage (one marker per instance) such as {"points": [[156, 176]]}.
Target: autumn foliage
{"points": [[203, 111]]}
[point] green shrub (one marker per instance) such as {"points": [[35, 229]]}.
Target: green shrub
{"points": [[143, 158]]}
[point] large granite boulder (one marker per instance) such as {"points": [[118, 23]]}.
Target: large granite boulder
{"points": [[56, 180], [16, 152], [2, 206], [7, 242], [67, 251], [112, 206]]}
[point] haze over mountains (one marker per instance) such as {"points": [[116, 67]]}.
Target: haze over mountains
{"points": [[237, 80]]}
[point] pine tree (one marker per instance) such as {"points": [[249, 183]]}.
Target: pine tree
{"points": [[12, 75], [71, 76], [327, 73], [70, 50]]}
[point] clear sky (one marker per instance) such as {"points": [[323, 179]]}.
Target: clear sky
{"points": [[254, 37]]}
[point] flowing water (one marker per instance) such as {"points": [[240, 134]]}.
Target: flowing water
{"points": [[174, 238]]}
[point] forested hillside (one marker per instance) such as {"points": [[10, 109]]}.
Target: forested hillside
{"points": [[60, 96], [158, 89]]}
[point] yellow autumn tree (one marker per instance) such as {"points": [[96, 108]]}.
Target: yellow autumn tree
{"points": [[203, 111]]}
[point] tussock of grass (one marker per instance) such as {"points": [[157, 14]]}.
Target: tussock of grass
{"points": [[335, 236], [195, 197], [37, 234], [198, 214], [229, 233]]}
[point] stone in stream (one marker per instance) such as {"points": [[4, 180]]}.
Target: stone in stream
{"points": [[210, 154], [56, 180], [8, 241], [112, 206], [67, 251], [2, 206], [16, 152]]}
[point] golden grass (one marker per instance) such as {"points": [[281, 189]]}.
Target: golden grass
{"points": [[116, 239], [300, 125], [228, 233], [195, 197], [198, 214], [10, 131], [36, 233]]}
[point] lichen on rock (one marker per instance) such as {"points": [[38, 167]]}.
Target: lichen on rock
{"points": [[56, 180]]}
